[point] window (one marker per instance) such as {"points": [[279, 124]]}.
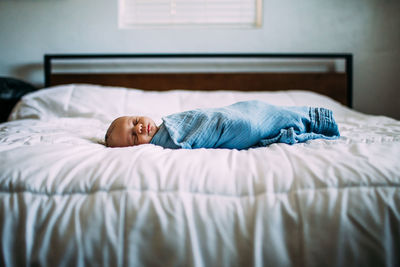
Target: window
{"points": [[166, 13]]}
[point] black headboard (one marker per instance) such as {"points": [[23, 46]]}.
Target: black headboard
{"points": [[338, 86]]}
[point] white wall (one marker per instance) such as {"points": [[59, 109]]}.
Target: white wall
{"points": [[370, 29]]}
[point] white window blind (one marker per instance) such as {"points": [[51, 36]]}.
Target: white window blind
{"points": [[142, 13]]}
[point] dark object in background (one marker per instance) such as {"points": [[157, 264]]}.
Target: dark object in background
{"points": [[11, 91]]}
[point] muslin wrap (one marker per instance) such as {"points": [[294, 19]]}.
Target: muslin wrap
{"points": [[243, 125]]}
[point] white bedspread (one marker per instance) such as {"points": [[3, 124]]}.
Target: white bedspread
{"points": [[67, 200]]}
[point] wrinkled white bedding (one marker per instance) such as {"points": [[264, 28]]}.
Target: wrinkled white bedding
{"points": [[67, 200]]}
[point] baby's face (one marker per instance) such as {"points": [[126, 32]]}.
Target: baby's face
{"points": [[130, 131]]}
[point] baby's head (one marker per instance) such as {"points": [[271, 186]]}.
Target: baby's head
{"points": [[130, 131]]}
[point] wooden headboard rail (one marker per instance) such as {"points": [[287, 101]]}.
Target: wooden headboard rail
{"points": [[336, 85]]}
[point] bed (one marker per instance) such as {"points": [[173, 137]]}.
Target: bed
{"points": [[67, 200]]}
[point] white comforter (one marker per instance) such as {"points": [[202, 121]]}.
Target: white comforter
{"points": [[67, 200]]}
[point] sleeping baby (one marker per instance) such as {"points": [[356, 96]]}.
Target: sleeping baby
{"points": [[239, 126]]}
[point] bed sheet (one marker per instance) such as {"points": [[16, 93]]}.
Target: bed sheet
{"points": [[66, 199]]}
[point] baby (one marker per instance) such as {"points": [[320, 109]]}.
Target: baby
{"points": [[130, 131], [238, 126]]}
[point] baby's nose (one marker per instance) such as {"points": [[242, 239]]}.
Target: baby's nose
{"points": [[139, 128]]}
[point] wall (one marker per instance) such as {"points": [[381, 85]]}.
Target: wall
{"points": [[367, 28]]}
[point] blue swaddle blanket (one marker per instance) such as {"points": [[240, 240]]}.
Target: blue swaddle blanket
{"points": [[244, 125]]}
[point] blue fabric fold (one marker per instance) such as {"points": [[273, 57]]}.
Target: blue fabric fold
{"points": [[243, 125]]}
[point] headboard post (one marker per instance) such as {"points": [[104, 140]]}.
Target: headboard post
{"points": [[349, 76], [47, 70]]}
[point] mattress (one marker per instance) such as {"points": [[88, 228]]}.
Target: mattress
{"points": [[67, 200]]}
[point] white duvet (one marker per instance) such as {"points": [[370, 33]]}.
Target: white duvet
{"points": [[67, 200]]}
